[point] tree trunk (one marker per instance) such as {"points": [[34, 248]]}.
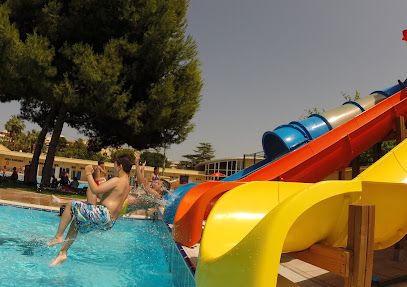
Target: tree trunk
{"points": [[49, 161], [32, 178]]}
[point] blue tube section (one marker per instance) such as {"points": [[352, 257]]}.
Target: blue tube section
{"points": [[323, 119], [172, 205], [355, 104], [283, 140], [314, 127], [287, 138], [392, 90]]}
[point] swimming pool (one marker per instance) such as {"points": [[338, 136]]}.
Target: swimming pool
{"points": [[133, 253]]}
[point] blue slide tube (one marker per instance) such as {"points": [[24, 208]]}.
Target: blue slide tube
{"points": [[392, 90], [287, 138], [283, 140], [173, 201]]}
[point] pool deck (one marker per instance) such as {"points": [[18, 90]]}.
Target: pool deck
{"points": [[296, 271]]}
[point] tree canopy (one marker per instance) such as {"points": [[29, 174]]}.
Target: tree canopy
{"points": [[121, 151], [124, 70], [155, 159], [78, 149], [203, 152], [119, 71], [15, 126]]}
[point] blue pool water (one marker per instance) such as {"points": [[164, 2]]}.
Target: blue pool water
{"points": [[130, 254]]}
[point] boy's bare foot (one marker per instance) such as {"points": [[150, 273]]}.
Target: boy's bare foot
{"points": [[59, 259], [56, 200], [55, 240]]}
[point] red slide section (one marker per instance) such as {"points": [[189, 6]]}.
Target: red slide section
{"points": [[311, 163]]}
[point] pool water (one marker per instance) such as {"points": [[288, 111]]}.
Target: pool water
{"points": [[130, 254]]}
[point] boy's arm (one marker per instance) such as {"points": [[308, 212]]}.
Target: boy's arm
{"points": [[140, 177], [99, 189], [143, 168]]}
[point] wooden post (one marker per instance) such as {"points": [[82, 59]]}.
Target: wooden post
{"points": [[377, 151], [341, 174], [400, 129], [361, 241], [398, 252], [333, 259], [355, 263], [355, 166]]}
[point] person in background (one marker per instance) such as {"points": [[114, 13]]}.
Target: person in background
{"points": [[14, 175], [54, 182], [4, 171], [64, 179], [100, 173], [155, 176], [155, 180], [100, 178], [75, 183]]}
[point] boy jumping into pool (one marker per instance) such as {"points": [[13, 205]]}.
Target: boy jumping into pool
{"points": [[85, 217]]}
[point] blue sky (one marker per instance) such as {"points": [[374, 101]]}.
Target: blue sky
{"points": [[265, 62]]}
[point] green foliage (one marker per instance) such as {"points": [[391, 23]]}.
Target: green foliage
{"points": [[184, 164], [125, 70], [310, 112], [119, 71], [19, 140], [203, 152], [154, 159], [349, 98], [62, 144], [388, 146], [15, 126], [121, 151], [366, 158], [316, 110], [78, 149]]}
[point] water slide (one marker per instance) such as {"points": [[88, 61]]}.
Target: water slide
{"points": [[251, 225], [287, 138], [310, 163]]}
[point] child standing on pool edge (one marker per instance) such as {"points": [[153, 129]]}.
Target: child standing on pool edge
{"points": [[100, 173], [85, 217], [100, 177]]}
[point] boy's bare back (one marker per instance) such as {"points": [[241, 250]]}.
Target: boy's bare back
{"points": [[117, 190]]}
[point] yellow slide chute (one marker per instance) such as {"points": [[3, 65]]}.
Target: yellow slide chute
{"points": [[251, 225]]}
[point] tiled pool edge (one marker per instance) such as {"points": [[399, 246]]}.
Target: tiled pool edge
{"points": [[182, 275], [178, 259], [29, 206]]}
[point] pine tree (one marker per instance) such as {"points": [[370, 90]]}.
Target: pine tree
{"points": [[119, 71]]}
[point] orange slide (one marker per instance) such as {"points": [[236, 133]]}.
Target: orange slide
{"points": [[311, 163]]}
